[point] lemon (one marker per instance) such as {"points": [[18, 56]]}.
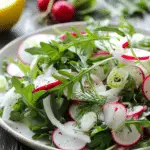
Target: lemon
{"points": [[10, 11]]}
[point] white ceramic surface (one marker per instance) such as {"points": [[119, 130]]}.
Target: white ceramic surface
{"points": [[18, 130]]}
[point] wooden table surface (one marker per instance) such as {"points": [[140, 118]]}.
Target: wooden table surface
{"points": [[26, 25]]}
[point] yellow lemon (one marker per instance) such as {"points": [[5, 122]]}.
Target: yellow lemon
{"points": [[10, 11]]}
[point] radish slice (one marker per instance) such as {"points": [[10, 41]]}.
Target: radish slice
{"points": [[135, 112], [47, 86], [101, 53], [114, 114], [65, 142], [32, 41], [88, 121], [73, 111], [101, 116], [140, 54], [146, 87], [71, 132], [14, 70], [136, 72], [125, 137]]}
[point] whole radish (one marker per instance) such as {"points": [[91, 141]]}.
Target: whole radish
{"points": [[42, 4], [62, 11]]}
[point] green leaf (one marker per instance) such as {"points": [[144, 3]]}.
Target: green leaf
{"points": [[15, 116], [101, 140], [65, 73], [35, 51], [110, 29], [39, 136]]}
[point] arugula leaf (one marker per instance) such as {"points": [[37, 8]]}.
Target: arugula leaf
{"points": [[26, 91], [110, 29], [40, 136], [101, 141]]}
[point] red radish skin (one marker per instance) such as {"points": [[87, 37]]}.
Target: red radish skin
{"points": [[101, 53], [63, 11], [136, 114], [146, 87], [60, 133], [63, 37], [47, 87], [125, 45], [42, 4], [126, 145], [133, 58], [140, 54]]}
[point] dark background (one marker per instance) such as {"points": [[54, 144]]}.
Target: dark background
{"points": [[27, 24]]}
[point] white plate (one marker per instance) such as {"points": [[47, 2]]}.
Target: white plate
{"points": [[18, 130]]}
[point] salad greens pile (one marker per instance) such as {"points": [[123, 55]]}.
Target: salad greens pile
{"points": [[98, 77]]}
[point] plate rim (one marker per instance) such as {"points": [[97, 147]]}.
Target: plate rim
{"points": [[32, 143], [3, 124]]}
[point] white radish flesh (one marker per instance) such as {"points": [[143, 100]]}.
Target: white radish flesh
{"points": [[125, 137], [33, 41], [146, 87], [69, 132], [135, 112], [65, 142], [73, 112], [140, 54], [114, 114], [88, 121], [101, 117], [136, 72], [14, 70]]}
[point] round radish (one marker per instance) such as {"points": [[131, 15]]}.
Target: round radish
{"points": [[146, 87], [73, 110], [126, 137], [135, 112], [136, 72], [88, 121], [32, 41], [63, 11], [140, 54], [14, 70], [114, 114], [65, 142]]}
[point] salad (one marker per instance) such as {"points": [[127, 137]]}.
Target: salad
{"points": [[81, 90]]}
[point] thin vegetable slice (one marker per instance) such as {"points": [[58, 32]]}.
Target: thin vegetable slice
{"points": [[126, 137], [140, 54], [14, 70], [65, 142], [47, 86], [117, 78], [136, 111], [136, 72], [114, 114], [69, 132], [33, 41], [146, 87], [73, 112]]}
